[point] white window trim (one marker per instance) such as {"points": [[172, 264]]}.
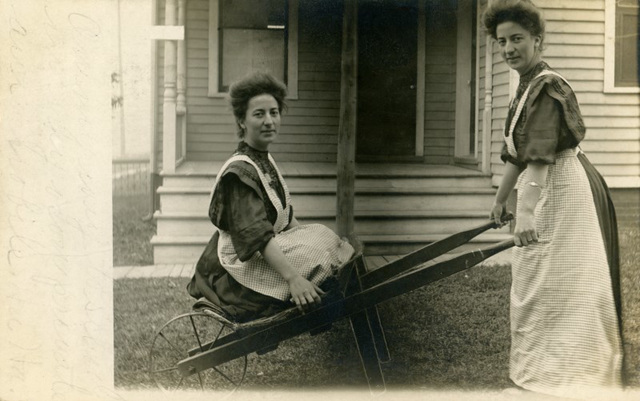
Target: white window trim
{"points": [[610, 51], [478, 33], [463, 80], [292, 60]]}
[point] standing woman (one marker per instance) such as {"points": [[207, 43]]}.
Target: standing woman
{"points": [[260, 259], [565, 301]]}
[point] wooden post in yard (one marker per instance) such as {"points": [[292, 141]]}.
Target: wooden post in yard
{"points": [[347, 126], [365, 325]]}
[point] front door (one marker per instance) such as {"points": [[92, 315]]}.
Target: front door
{"points": [[387, 54]]}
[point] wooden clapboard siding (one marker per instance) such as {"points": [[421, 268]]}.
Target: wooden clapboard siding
{"points": [[608, 146], [625, 134], [440, 83]]}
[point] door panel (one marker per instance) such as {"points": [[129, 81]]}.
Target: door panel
{"points": [[387, 54]]}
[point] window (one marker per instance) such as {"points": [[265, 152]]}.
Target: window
{"points": [[252, 38], [250, 35], [621, 46]]}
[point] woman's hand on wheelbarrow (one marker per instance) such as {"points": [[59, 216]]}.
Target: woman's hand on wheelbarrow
{"points": [[304, 293], [525, 231], [499, 214]]}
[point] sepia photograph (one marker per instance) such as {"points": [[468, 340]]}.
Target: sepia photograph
{"points": [[320, 199]]}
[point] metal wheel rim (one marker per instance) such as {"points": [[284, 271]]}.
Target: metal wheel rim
{"points": [[173, 338]]}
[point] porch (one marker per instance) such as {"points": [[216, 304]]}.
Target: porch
{"points": [[405, 200], [398, 207]]}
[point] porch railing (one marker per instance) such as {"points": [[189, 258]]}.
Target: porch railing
{"points": [[130, 176]]}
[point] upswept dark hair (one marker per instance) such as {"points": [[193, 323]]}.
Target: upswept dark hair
{"points": [[522, 12], [258, 83]]}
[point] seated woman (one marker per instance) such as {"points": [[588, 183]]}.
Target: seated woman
{"points": [[260, 259]]}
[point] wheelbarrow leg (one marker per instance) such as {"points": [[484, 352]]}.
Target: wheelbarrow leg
{"points": [[378, 335], [368, 334], [374, 321], [367, 349]]}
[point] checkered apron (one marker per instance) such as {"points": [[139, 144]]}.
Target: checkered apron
{"points": [[313, 249], [564, 329]]}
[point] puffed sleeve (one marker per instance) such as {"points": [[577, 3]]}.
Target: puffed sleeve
{"points": [[244, 217], [506, 157], [541, 130]]}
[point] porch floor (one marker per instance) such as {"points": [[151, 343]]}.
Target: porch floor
{"points": [[329, 169]]}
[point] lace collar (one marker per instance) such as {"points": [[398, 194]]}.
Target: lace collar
{"points": [[525, 79], [255, 154]]}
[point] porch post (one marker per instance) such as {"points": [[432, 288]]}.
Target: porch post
{"points": [[347, 125], [181, 108], [154, 178], [169, 98], [487, 133]]}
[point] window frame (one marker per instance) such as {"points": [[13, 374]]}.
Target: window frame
{"points": [[214, 51], [610, 52]]}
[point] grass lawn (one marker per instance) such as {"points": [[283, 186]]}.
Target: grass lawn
{"points": [[630, 283]]}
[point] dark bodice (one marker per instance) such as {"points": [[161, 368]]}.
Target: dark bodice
{"points": [[240, 204], [550, 121]]}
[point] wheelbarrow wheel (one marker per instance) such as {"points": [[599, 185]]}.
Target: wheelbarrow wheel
{"points": [[184, 336]]}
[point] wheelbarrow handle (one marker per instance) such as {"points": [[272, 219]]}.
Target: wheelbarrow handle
{"points": [[422, 276], [427, 253]]}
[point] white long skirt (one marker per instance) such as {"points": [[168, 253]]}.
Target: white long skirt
{"points": [[312, 249], [564, 329]]}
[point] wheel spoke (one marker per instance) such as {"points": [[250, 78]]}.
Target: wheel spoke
{"points": [[164, 370], [176, 350], [212, 343], [201, 384], [221, 373], [195, 331], [222, 327]]}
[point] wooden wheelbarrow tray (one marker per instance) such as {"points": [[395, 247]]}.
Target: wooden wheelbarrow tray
{"points": [[359, 293]]}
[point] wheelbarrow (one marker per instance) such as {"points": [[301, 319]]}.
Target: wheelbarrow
{"points": [[205, 349]]}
